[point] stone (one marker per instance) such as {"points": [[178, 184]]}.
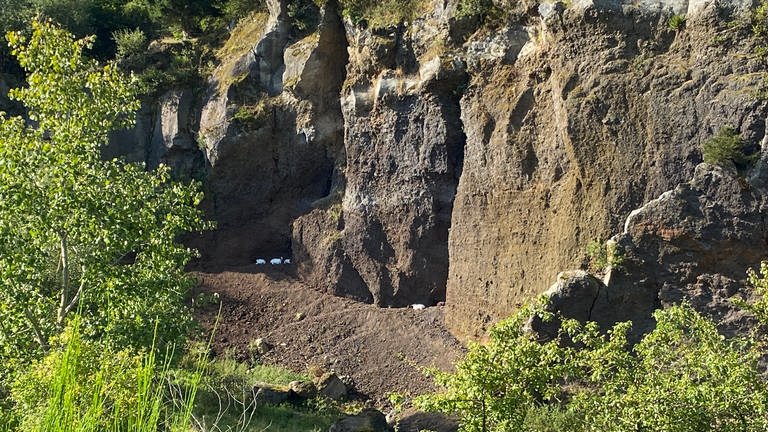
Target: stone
{"points": [[261, 346], [368, 420], [303, 389], [573, 295], [264, 394], [412, 420], [331, 386]]}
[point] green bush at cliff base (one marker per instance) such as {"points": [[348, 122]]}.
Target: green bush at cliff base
{"points": [[682, 377], [727, 147]]}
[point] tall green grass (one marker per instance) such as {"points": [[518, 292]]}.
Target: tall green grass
{"points": [[75, 402]]}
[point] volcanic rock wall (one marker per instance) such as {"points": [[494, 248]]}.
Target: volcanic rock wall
{"points": [[441, 160]]}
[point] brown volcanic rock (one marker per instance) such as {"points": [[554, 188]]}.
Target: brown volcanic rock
{"points": [[599, 113], [272, 130]]}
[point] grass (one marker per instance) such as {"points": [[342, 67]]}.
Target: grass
{"points": [[225, 402], [283, 418], [383, 14], [676, 22], [79, 395], [238, 44], [231, 370]]}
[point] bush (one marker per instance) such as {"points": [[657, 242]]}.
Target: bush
{"points": [[603, 254], [677, 22], [482, 9], [233, 10], [130, 43], [381, 14], [727, 147], [682, 377], [497, 384]]}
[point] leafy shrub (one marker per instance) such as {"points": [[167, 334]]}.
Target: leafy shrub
{"points": [[483, 9], [130, 43], [677, 22], [496, 384], [381, 14], [760, 19], [727, 147], [682, 377], [233, 10], [603, 254], [759, 282]]}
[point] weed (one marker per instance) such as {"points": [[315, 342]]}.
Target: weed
{"points": [[603, 254], [677, 22], [727, 147], [383, 14]]}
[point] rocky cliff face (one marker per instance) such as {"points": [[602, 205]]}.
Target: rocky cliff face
{"points": [[601, 111], [404, 146], [433, 162]]}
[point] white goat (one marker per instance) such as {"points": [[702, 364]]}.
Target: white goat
{"points": [[260, 261], [276, 261], [418, 306]]}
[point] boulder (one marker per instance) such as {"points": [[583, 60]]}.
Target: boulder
{"points": [[368, 420], [303, 389], [264, 394], [331, 386], [260, 346], [412, 420]]}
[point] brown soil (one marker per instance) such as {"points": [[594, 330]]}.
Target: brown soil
{"points": [[383, 350]]}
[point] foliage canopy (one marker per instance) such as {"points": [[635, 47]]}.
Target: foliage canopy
{"points": [[78, 232], [682, 377]]}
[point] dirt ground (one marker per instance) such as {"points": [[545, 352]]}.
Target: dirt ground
{"points": [[383, 350]]}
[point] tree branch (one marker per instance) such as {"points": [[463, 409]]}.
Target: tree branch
{"points": [[35, 324], [64, 300], [74, 301]]}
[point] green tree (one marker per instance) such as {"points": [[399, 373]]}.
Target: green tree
{"points": [[78, 232]]}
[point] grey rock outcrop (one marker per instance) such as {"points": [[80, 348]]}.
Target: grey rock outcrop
{"points": [[693, 243], [384, 239], [415, 421], [269, 395], [331, 386], [163, 134]]}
